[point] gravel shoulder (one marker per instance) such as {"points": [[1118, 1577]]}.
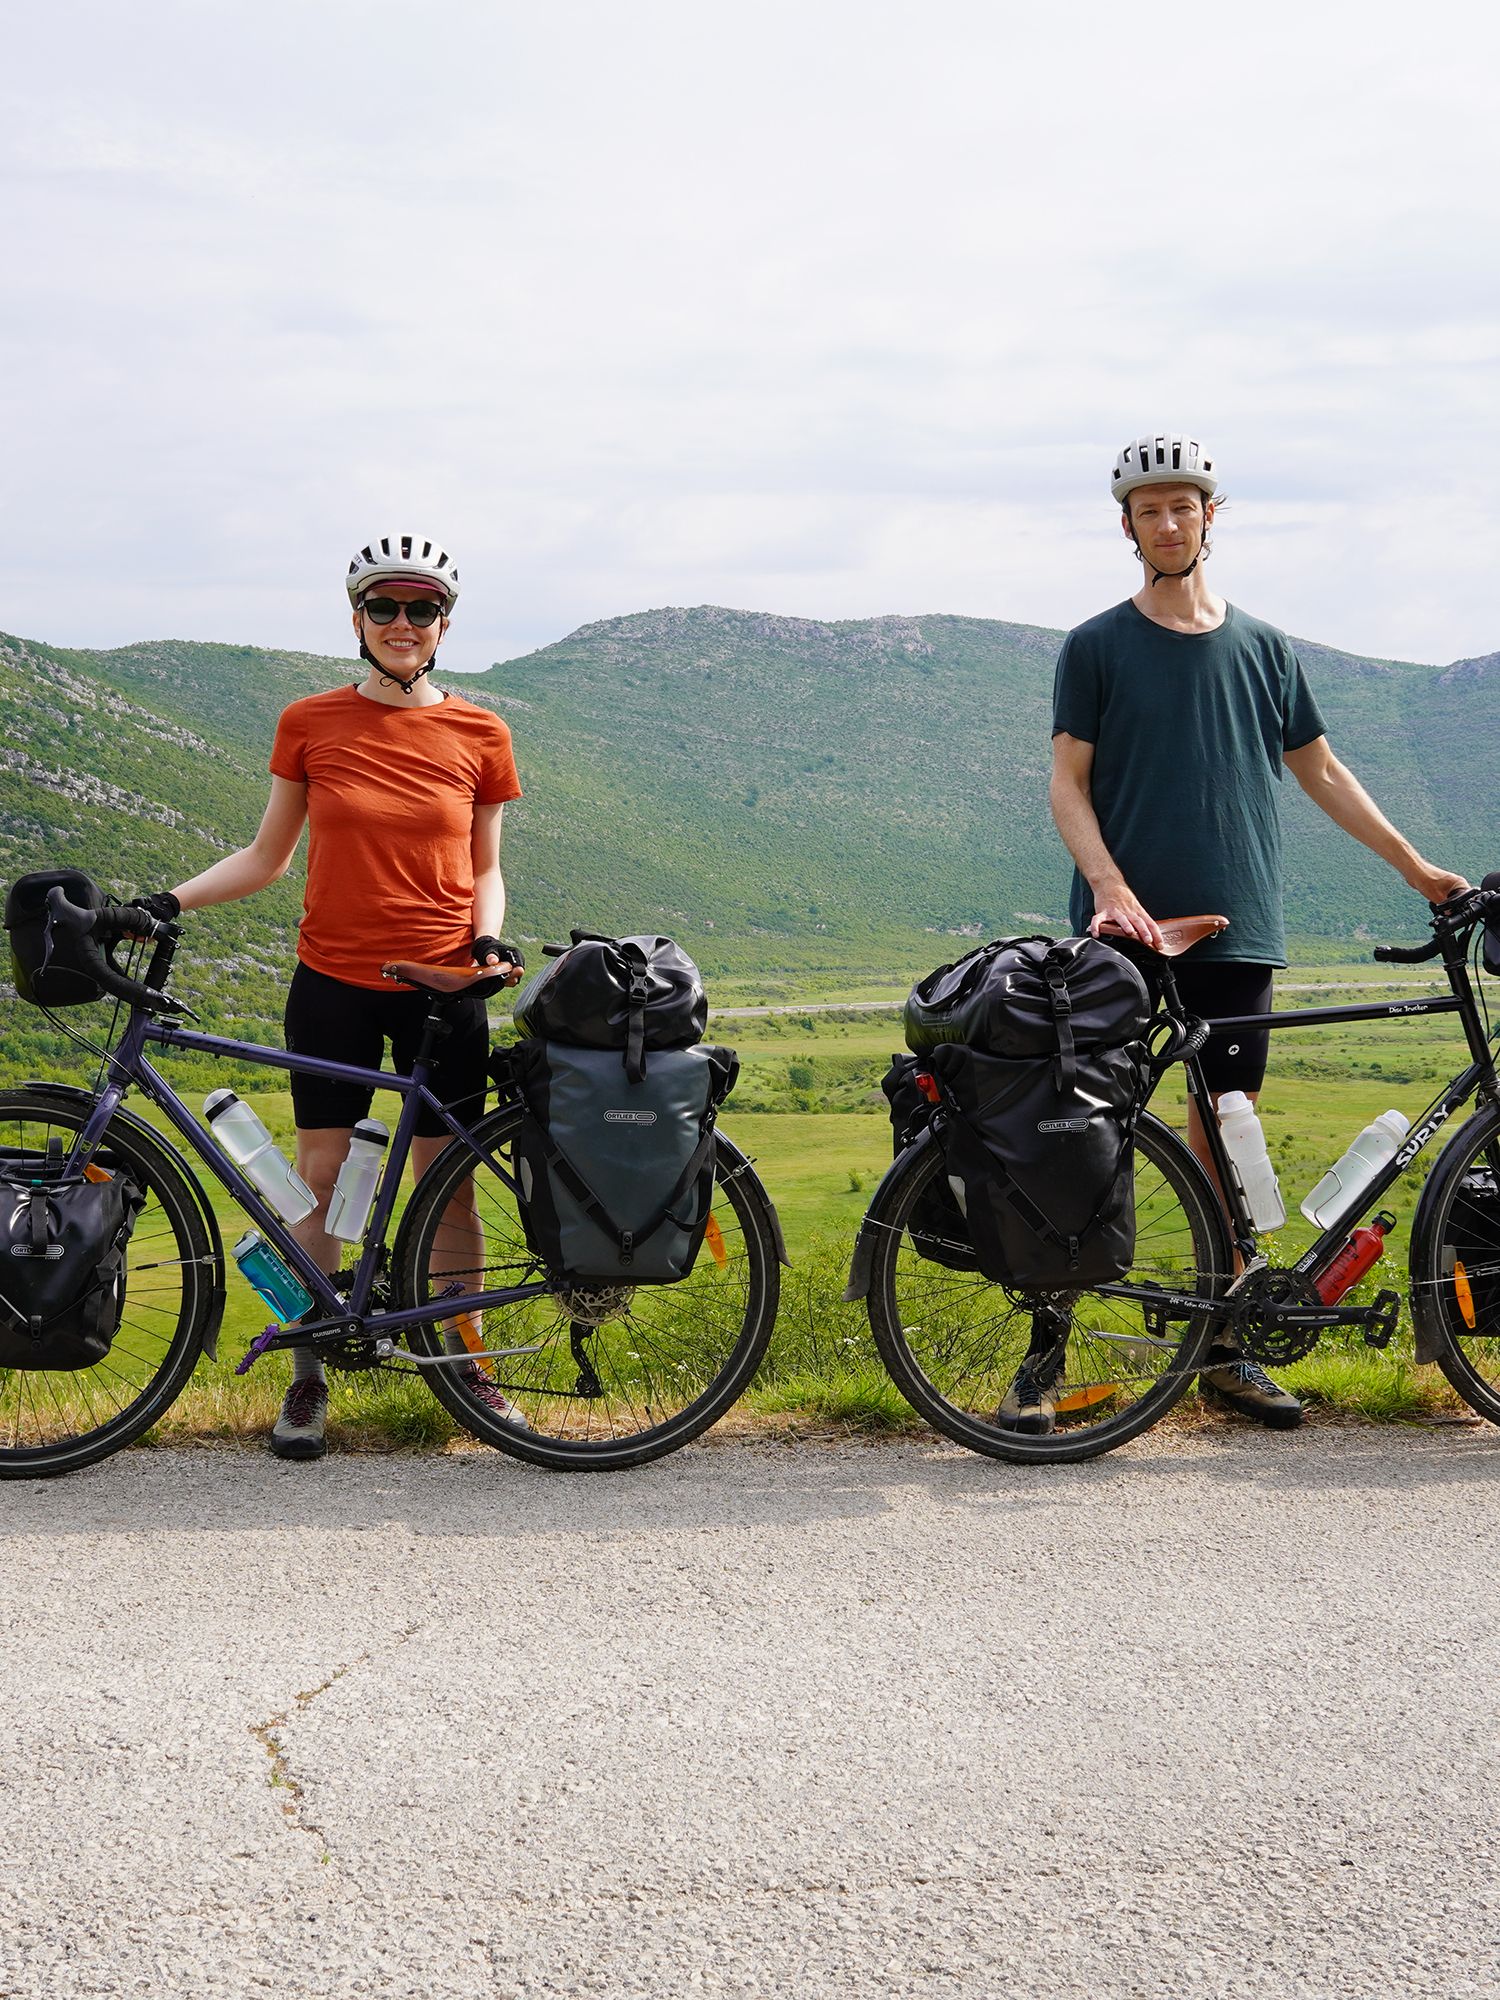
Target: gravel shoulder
{"points": [[1213, 1715]]}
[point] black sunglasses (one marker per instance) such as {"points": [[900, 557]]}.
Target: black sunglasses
{"points": [[420, 612]]}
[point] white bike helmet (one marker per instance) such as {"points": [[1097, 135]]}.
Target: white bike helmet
{"points": [[403, 559], [1163, 461]]}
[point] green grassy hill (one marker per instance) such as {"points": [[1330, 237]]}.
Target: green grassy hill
{"points": [[787, 795]]}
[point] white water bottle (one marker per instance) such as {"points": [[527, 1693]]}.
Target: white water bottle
{"points": [[245, 1139], [1245, 1143], [1373, 1150], [359, 1176]]}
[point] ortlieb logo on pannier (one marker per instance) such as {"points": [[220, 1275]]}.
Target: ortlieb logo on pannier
{"points": [[1036, 1051], [62, 1262]]}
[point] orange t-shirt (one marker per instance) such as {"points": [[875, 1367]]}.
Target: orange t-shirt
{"points": [[391, 794]]}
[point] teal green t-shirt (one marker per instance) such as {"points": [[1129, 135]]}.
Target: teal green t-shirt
{"points": [[1188, 730]]}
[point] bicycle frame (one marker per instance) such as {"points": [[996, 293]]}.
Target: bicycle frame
{"points": [[1479, 1077], [343, 1314]]}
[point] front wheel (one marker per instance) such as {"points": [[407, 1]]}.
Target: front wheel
{"points": [[612, 1377], [1455, 1264], [954, 1341], [55, 1420]]}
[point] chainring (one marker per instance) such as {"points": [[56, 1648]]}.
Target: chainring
{"points": [[1257, 1322]]}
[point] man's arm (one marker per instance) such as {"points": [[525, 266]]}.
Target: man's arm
{"points": [[1335, 789], [1077, 822]]}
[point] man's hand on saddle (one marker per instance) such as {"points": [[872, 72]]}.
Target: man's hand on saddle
{"points": [[1123, 911]]}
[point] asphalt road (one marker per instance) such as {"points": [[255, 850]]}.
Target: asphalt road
{"points": [[1215, 1715]]}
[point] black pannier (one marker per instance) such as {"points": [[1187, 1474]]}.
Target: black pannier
{"points": [[39, 964], [1029, 997], [1037, 1050], [616, 1176], [62, 1262], [937, 1228], [1474, 1239], [1042, 1154], [630, 993], [1492, 931]]}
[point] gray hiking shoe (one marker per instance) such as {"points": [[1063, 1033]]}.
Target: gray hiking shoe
{"points": [[299, 1428], [483, 1390], [1240, 1384], [1030, 1403]]}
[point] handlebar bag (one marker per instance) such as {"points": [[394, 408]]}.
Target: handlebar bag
{"points": [[1030, 996], [1492, 931], [938, 1228], [62, 1263], [1040, 1158], [630, 993], [40, 962], [616, 1175]]}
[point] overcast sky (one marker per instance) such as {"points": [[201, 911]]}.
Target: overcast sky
{"points": [[820, 307]]}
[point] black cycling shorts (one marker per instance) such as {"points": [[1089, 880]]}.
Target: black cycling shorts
{"points": [[1234, 1059], [352, 1024]]}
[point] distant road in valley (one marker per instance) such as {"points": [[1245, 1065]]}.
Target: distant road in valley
{"points": [[894, 1006]]}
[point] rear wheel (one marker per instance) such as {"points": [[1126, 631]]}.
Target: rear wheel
{"points": [[954, 1342], [609, 1378], [1455, 1263], [58, 1420]]}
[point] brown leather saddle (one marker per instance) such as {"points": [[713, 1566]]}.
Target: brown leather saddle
{"points": [[1178, 934], [450, 982]]}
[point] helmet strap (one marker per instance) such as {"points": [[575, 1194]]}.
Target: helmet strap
{"points": [[395, 680], [1175, 574]]}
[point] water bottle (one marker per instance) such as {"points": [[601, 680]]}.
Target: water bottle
{"points": [[1358, 1254], [282, 1290], [1245, 1143], [247, 1142], [359, 1176], [1374, 1149]]}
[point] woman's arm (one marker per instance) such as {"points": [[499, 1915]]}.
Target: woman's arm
{"points": [[265, 860], [489, 883]]}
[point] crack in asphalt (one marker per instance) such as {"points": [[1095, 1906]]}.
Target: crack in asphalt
{"points": [[269, 1736]]}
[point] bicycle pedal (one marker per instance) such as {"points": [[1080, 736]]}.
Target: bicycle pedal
{"points": [[1380, 1328]]}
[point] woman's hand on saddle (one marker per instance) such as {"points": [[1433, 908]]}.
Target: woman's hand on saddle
{"points": [[491, 953]]}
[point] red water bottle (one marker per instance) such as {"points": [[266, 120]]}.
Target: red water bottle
{"points": [[1356, 1257]]}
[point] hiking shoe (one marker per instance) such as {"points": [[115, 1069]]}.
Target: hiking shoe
{"points": [[1030, 1404], [299, 1428], [483, 1390], [1240, 1384]]}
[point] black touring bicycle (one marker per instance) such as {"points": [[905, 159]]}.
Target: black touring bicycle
{"points": [[1127, 1349]]}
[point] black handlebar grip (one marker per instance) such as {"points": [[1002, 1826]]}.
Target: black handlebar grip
{"points": [[1400, 954], [84, 927]]}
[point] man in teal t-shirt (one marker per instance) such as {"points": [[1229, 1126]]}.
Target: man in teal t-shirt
{"points": [[1173, 714]]}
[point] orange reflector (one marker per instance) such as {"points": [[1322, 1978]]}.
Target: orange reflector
{"points": [[93, 1173], [1087, 1397], [713, 1236], [1463, 1294], [469, 1332]]}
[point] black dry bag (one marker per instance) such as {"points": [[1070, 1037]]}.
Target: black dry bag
{"points": [[616, 1175], [62, 1262], [1028, 997], [1474, 1242], [39, 961], [630, 993]]}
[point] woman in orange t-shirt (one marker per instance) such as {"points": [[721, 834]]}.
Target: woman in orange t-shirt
{"points": [[403, 788]]}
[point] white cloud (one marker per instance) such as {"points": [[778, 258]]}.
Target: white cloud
{"points": [[823, 308]]}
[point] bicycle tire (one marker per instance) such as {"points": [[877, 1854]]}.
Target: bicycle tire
{"points": [[1469, 1355], [952, 1340], [647, 1380], [55, 1421]]}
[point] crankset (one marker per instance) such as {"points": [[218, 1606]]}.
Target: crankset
{"points": [[1278, 1318]]}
